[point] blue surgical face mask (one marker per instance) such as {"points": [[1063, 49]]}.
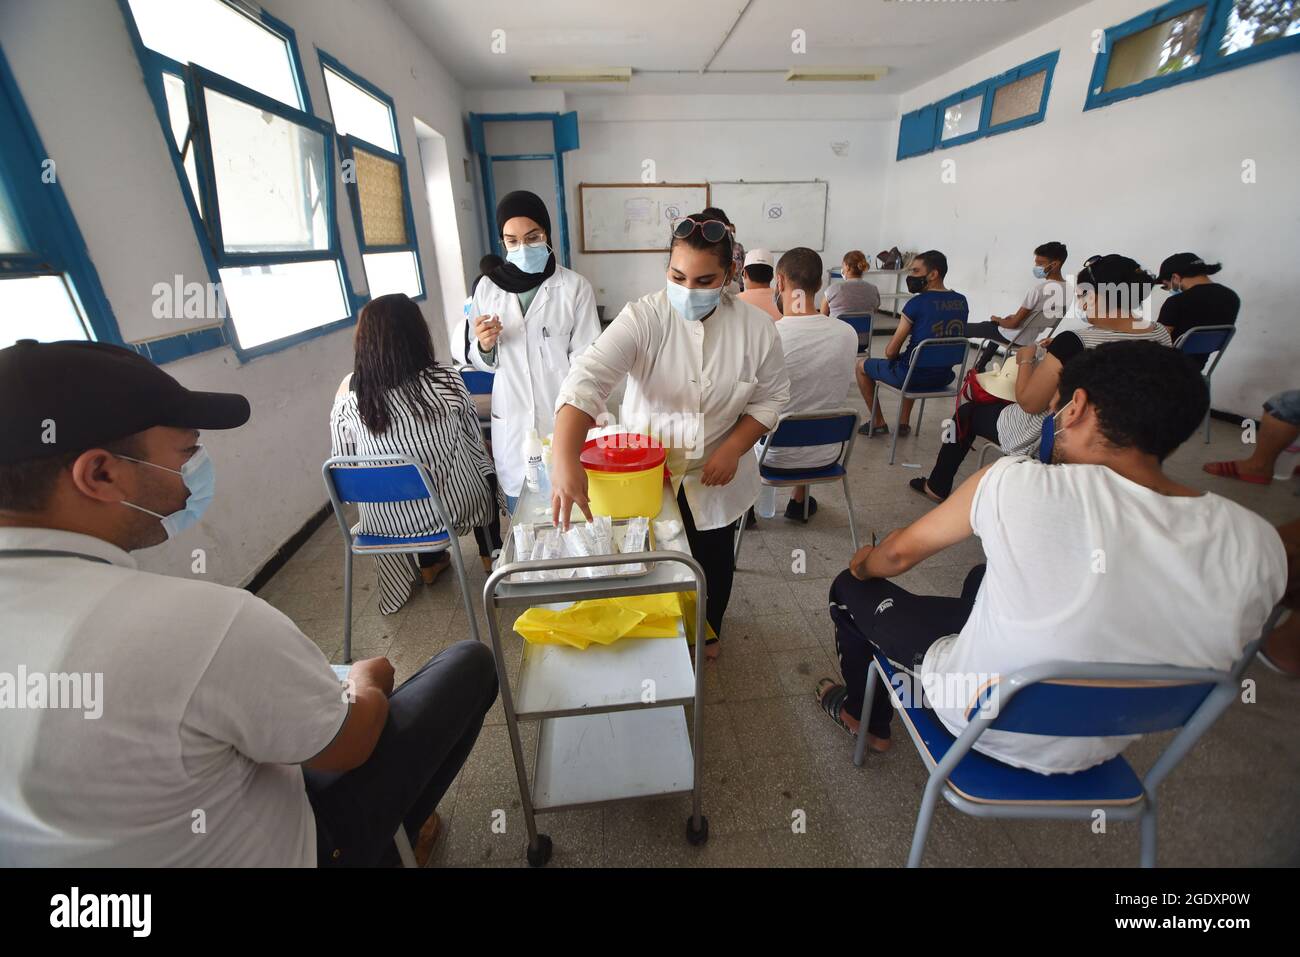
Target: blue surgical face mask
{"points": [[1040, 272], [530, 257], [693, 304], [1047, 444], [199, 478]]}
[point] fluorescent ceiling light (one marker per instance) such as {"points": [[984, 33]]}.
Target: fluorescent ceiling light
{"points": [[599, 74], [854, 74]]}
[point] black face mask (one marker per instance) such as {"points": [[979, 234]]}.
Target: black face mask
{"points": [[915, 284]]}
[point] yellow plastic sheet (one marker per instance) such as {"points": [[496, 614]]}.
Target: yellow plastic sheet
{"points": [[606, 620]]}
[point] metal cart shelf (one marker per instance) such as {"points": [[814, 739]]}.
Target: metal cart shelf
{"points": [[602, 737]]}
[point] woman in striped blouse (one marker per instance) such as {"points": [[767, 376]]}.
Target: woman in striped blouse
{"points": [[399, 401]]}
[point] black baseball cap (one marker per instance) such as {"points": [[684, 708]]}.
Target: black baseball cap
{"points": [[1185, 264], [94, 393]]}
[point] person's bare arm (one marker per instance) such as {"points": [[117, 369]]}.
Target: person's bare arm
{"points": [[721, 466], [372, 680], [1014, 320], [904, 548], [568, 478], [1036, 383], [895, 346]]}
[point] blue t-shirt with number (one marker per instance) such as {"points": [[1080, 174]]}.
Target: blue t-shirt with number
{"points": [[934, 315]]}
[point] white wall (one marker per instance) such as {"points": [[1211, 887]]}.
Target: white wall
{"points": [[701, 138], [83, 85], [1145, 177]]}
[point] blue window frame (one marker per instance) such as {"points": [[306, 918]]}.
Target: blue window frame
{"points": [[1228, 34], [43, 259], [1008, 101], [373, 248], [250, 269]]}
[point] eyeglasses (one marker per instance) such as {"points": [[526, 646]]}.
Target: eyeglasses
{"points": [[536, 237], [713, 230]]}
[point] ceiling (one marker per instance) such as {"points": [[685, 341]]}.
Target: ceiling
{"points": [[916, 39]]}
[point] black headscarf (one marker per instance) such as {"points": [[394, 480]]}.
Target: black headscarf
{"points": [[509, 276]]}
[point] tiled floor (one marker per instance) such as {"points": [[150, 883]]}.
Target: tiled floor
{"points": [[768, 750]]}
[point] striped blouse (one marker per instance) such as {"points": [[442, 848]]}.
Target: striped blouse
{"points": [[1019, 431], [445, 438]]}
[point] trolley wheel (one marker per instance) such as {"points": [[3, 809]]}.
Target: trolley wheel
{"points": [[539, 856], [696, 837]]}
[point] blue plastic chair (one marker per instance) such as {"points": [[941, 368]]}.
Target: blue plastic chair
{"points": [[810, 429], [1206, 341], [861, 323], [479, 382], [374, 479], [942, 353], [1064, 699]]}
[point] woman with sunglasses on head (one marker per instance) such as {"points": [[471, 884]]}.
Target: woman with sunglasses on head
{"points": [[693, 355], [529, 317]]}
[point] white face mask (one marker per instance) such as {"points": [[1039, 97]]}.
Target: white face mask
{"points": [[693, 304], [200, 480]]}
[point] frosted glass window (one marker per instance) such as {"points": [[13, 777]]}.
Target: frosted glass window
{"points": [[11, 234], [270, 176], [271, 302], [358, 113], [218, 37], [1018, 99], [383, 208], [178, 114]]}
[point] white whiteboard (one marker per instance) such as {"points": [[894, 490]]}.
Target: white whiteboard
{"points": [[635, 217], [774, 216]]}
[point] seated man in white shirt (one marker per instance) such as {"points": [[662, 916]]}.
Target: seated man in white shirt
{"points": [[1103, 558], [180, 722], [819, 357], [1042, 309]]}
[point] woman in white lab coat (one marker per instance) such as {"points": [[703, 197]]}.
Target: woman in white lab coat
{"points": [[694, 355], [530, 316]]}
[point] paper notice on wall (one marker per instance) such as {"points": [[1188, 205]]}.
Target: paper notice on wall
{"points": [[638, 211]]}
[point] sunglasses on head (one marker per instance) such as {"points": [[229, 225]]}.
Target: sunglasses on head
{"points": [[711, 229]]}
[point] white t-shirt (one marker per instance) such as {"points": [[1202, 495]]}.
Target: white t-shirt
{"points": [[208, 701], [1085, 565], [1046, 302], [819, 357]]}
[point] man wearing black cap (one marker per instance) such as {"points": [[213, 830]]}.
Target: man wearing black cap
{"points": [[1196, 299], [155, 720]]}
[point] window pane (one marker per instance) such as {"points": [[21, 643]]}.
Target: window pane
{"points": [[379, 188], [270, 302], [1167, 47], [178, 112], [1019, 99], [1252, 22], [962, 118], [11, 233], [270, 175], [392, 272], [38, 307], [216, 36], [357, 113]]}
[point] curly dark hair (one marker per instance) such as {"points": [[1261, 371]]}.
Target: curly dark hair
{"points": [[1146, 396]]}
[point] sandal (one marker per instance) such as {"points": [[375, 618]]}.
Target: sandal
{"points": [[831, 700], [871, 431], [1230, 470], [904, 430], [918, 485]]}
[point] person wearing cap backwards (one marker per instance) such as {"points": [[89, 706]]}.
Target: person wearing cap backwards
{"points": [[758, 283], [692, 355], [530, 316], [1196, 299], [151, 720]]}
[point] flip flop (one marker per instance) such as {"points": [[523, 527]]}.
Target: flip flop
{"points": [[904, 430], [917, 485], [832, 702], [1230, 470]]}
